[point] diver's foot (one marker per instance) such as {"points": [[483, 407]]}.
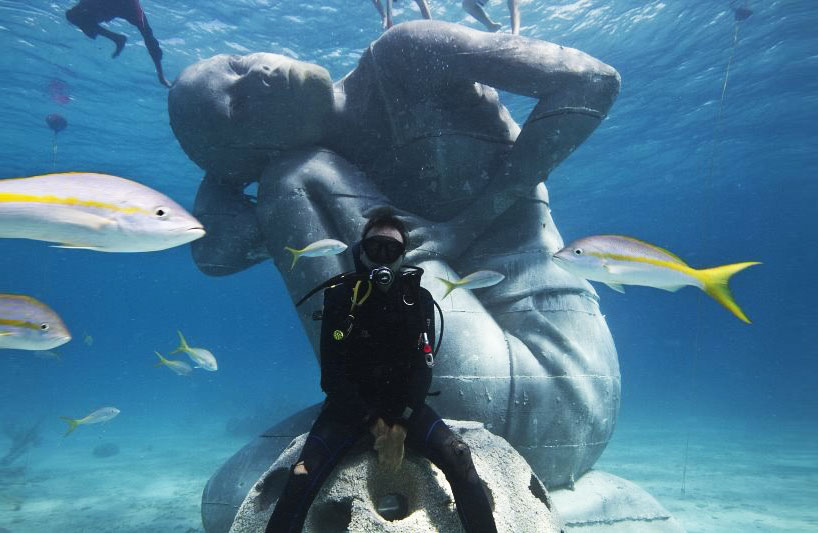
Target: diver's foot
{"points": [[495, 27], [119, 40]]}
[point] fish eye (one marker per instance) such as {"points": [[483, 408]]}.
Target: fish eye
{"points": [[44, 326], [160, 212], [578, 251]]}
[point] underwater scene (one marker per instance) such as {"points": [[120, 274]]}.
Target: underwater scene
{"points": [[406, 266]]}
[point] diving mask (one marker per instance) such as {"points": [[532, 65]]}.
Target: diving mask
{"points": [[383, 250]]}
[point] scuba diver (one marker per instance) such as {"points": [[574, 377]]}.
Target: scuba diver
{"points": [[376, 368], [87, 15]]}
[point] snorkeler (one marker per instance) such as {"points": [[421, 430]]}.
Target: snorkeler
{"points": [[475, 9], [386, 17], [376, 368], [87, 15]]}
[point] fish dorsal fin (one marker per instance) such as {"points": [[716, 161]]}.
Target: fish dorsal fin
{"points": [[22, 297], [617, 287], [669, 255]]}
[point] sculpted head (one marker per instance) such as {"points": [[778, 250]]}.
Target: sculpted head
{"points": [[230, 112]]}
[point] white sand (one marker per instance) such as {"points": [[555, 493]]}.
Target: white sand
{"points": [[738, 478]]}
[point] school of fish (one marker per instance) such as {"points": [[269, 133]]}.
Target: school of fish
{"points": [[107, 213]]}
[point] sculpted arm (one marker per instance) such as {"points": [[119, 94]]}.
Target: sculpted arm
{"points": [[574, 93], [233, 241]]}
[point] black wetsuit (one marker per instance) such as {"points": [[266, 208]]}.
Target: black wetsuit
{"points": [[87, 15], [379, 370]]}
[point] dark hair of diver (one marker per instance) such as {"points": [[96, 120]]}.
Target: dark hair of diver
{"points": [[385, 218]]}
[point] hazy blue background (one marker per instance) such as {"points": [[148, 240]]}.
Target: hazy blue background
{"points": [[645, 172]]}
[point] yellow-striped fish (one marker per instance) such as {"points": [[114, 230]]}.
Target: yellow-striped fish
{"points": [[100, 415], [94, 212], [178, 367], [317, 249], [616, 260], [203, 357], [475, 280], [28, 324]]}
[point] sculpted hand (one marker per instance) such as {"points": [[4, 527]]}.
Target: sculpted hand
{"points": [[430, 240]]}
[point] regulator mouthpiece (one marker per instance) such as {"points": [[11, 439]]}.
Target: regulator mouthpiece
{"points": [[382, 275]]}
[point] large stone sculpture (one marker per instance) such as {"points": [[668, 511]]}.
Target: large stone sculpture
{"points": [[418, 126]]}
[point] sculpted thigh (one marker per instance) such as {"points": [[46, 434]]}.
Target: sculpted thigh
{"points": [[564, 386]]}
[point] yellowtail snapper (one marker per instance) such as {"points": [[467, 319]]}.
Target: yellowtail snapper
{"points": [[317, 249], [201, 356], [475, 280], [100, 415], [616, 260], [94, 212], [178, 367], [28, 324]]}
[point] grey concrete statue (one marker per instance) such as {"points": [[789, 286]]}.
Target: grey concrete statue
{"points": [[417, 126]]}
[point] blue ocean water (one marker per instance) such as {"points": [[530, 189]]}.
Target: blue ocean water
{"points": [[716, 176]]}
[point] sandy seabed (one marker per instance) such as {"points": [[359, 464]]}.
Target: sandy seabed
{"points": [[737, 478]]}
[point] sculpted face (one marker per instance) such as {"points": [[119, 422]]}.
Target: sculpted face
{"points": [[230, 112]]}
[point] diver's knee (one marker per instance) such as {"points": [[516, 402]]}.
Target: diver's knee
{"points": [[457, 459]]}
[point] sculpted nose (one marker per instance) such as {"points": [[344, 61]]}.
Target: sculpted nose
{"points": [[270, 77]]}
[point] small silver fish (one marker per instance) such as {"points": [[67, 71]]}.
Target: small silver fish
{"points": [[100, 415], [317, 249], [94, 212], [178, 367], [48, 354], [28, 324], [616, 260], [202, 357], [475, 280]]}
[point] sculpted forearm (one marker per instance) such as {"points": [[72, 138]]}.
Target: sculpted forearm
{"points": [[233, 241], [438, 52]]}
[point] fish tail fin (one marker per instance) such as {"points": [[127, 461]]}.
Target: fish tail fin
{"points": [[450, 286], [715, 284], [162, 360], [72, 424], [296, 255], [183, 347]]}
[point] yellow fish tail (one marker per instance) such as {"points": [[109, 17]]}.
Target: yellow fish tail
{"points": [[296, 255], [450, 286], [715, 284], [72, 424], [162, 360], [183, 347]]}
